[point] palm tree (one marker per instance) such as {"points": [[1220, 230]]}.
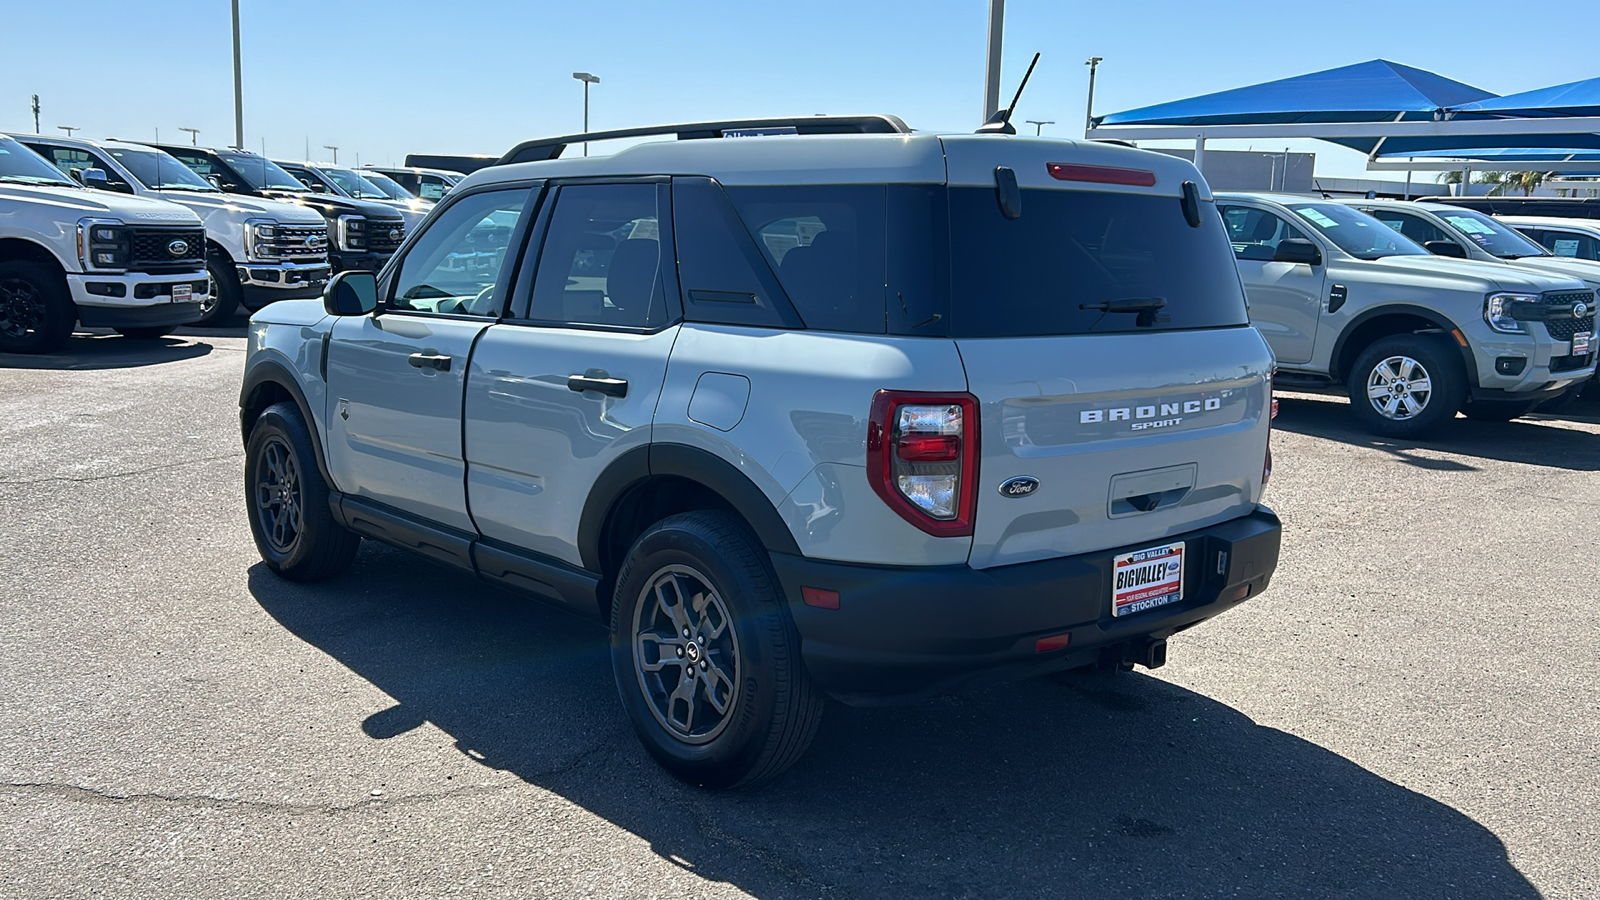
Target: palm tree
{"points": [[1529, 181]]}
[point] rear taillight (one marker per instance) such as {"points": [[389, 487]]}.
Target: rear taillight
{"points": [[922, 458]]}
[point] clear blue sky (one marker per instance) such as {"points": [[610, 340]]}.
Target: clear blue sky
{"points": [[476, 76]]}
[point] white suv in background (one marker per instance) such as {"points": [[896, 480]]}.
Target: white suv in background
{"points": [[257, 251]]}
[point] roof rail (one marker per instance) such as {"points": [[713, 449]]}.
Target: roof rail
{"points": [[540, 149]]}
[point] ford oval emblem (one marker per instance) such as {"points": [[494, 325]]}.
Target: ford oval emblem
{"points": [[394, 234], [177, 248], [1020, 486], [1580, 309]]}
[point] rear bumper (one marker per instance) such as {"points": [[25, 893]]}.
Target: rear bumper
{"points": [[903, 633]]}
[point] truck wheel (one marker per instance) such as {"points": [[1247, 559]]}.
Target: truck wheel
{"points": [[1407, 385], [287, 500], [706, 659], [36, 311], [1498, 410], [143, 334], [223, 299]]}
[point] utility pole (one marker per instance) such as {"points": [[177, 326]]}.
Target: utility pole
{"points": [[69, 129], [238, 84], [1039, 124], [991, 78], [335, 150], [1093, 63], [587, 80], [35, 113], [194, 136]]}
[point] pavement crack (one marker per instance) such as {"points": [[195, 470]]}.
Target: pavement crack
{"points": [[90, 478], [79, 794]]}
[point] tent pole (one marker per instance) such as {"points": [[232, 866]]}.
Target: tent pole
{"points": [[1200, 153]]}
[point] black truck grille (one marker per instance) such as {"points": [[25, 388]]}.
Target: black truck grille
{"points": [[385, 235], [151, 249], [300, 244], [1563, 329]]}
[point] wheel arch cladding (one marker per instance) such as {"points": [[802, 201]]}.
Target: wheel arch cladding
{"points": [[1381, 322], [648, 484], [13, 249], [269, 382]]}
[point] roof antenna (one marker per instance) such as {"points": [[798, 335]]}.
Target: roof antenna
{"points": [[1000, 122]]}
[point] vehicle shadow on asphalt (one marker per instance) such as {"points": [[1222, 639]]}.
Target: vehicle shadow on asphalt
{"points": [[1096, 786], [109, 350], [1536, 440]]}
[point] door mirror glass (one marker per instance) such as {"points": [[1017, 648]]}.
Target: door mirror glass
{"points": [[1446, 248], [1298, 250], [351, 294]]}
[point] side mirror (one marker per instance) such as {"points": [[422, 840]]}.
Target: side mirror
{"points": [[216, 180], [1445, 248], [318, 188], [93, 178], [351, 294], [1298, 250]]}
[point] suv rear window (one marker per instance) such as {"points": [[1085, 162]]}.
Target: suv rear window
{"points": [[1029, 276]]}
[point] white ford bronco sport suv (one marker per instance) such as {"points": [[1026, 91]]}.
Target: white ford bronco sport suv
{"points": [[1413, 338], [257, 251], [848, 411], [71, 255]]}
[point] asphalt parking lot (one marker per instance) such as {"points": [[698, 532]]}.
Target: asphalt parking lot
{"points": [[1410, 711]]}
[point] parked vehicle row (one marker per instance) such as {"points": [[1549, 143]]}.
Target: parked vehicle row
{"points": [[1473, 318]]}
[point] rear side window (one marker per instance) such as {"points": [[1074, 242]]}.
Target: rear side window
{"points": [[1032, 275], [826, 244], [601, 262]]}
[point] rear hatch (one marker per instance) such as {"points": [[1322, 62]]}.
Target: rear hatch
{"points": [[1135, 425]]}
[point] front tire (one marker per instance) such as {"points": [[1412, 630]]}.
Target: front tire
{"points": [[223, 300], [287, 500], [36, 310], [706, 658], [1407, 385]]}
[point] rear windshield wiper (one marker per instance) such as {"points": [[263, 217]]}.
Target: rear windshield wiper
{"points": [[1146, 307]]}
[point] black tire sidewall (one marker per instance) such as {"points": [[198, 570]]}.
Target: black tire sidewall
{"points": [[1443, 363], [225, 290], [60, 314], [758, 619], [307, 560]]}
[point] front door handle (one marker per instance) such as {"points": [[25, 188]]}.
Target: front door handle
{"points": [[611, 387], [430, 361]]}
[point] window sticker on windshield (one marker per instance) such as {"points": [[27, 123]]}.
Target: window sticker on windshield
{"points": [[1566, 248], [1317, 217], [1469, 225]]}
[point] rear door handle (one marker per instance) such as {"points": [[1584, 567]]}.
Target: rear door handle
{"points": [[430, 361], [611, 387]]}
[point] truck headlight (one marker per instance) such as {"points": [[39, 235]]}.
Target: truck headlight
{"points": [[353, 233], [258, 240], [104, 244], [1497, 311]]}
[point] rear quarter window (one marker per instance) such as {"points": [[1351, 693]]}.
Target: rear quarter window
{"points": [[1032, 275]]}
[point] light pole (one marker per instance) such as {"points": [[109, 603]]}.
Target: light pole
{"points": [[335, 149], [1039, 124], [587, 80], [238, 85], [991, 79], [35, 113], [69, 129], [194, 136], [1093, 63]]}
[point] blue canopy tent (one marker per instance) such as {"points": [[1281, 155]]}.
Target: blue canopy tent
{"points": [[1577, 98], [1374, 91]]}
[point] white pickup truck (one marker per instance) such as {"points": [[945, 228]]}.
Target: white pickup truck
{"points": [[257, 251], [70, 255]]}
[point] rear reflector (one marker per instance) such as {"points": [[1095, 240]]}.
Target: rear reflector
{"points": [[1053, 642], [1101, 174], [928, 447], [820, 598]]}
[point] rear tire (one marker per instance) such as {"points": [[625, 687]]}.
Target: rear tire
{"points": [[705, 573], [36, 309], [1498, 410], [1407, 385], [143, 334], [287, 500], [223, 300]]}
